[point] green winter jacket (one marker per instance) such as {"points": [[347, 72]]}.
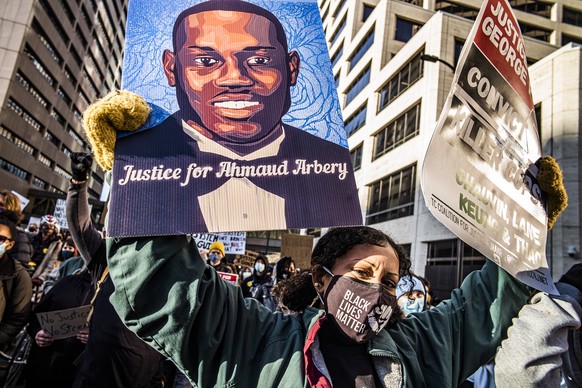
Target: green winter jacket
{"points": [[175, 302]]}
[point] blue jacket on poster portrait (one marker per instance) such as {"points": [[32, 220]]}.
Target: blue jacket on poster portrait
{"points": [[298, 179]]}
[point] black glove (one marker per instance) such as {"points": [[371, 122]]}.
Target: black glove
{"points": [[81, 165]]}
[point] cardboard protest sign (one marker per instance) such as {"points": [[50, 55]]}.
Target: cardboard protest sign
{"points": [[478, 175], [64, 323], [299, 248], [247, 259], [234, 242], [23, 200], [60, 213], [229, 277], [246, 131]]}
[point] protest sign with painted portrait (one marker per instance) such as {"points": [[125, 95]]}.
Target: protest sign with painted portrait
{"points": [[246, 130]]}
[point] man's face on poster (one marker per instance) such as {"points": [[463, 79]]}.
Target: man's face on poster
{"points": [[231, 70]]}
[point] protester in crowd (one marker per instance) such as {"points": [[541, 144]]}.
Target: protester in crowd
{"points": [[59, 271], [32, 229], [16, 287], [216, 258], [284, 269], [10, 208], [244, 274], [196, 326], [114, 356], [53, 363], [410, 295], [543, 344], [260, 284], [46, 240]]}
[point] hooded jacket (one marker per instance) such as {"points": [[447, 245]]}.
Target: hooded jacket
{"points": [[15, 295], [167, 295]]}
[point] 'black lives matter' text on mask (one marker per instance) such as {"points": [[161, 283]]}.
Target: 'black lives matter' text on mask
{"points": [[359, 309]]}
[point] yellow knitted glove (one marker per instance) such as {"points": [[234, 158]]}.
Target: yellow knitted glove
{"points": [[550, 181], [119, 110]]}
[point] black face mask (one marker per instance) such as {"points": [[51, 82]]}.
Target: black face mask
{"points": [[360, 310]]}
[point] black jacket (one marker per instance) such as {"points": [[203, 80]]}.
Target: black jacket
{"points": [[114, 356]]}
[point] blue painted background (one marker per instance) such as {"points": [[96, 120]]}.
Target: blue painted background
{"points": [[315, 107]]}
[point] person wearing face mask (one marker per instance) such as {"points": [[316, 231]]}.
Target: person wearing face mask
{"points": [[245, 273], [343, 331], [16, 287], [216, 259], [410, 294], [47, 238], [68, 263], [284, 269], [259, 284], [10, 209]]}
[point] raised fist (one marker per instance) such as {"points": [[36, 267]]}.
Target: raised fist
{"points": [[81, 163]]}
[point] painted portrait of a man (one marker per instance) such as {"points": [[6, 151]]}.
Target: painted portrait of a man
{"points": [[226, 159]]}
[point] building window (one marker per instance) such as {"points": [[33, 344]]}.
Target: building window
{"points": [[52, 138], [18, 142], [80, 35], [44, 160], [367, 11], [339, 8], [538, 114], [397, 132], [39, 66], [74, 135], [535, 32], [458, 48], [401, 81], [392, 197], [62, 172], [77, 114], [58, 117], [535, 7], [66, 151], [67, 11], [24, 114], [362, 48], [12, 169], [570, 39], [572, 16], [358, 84], [69, 76], [54, 20], [338, 31], [46, 42], [356, 155], [456, 9], [356, 121], [405, 29], [63, 96], [336, 78], [39, 183], [336, 57], [31, 90]]}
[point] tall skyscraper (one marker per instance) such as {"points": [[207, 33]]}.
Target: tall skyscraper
{"points": [[57, 56]]}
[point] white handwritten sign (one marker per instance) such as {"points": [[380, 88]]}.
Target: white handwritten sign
{"points": [[64, 323], [234, 242], [60, 213]]}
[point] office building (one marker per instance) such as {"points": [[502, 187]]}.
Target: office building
{"points": [[391, 100], [57, 56]]}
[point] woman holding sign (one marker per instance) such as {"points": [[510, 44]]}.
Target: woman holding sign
{"points": [[178, 304]]}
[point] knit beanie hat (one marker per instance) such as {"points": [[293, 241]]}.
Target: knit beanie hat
{"points": [[217, 245], [573, 277], [409, 284]]}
